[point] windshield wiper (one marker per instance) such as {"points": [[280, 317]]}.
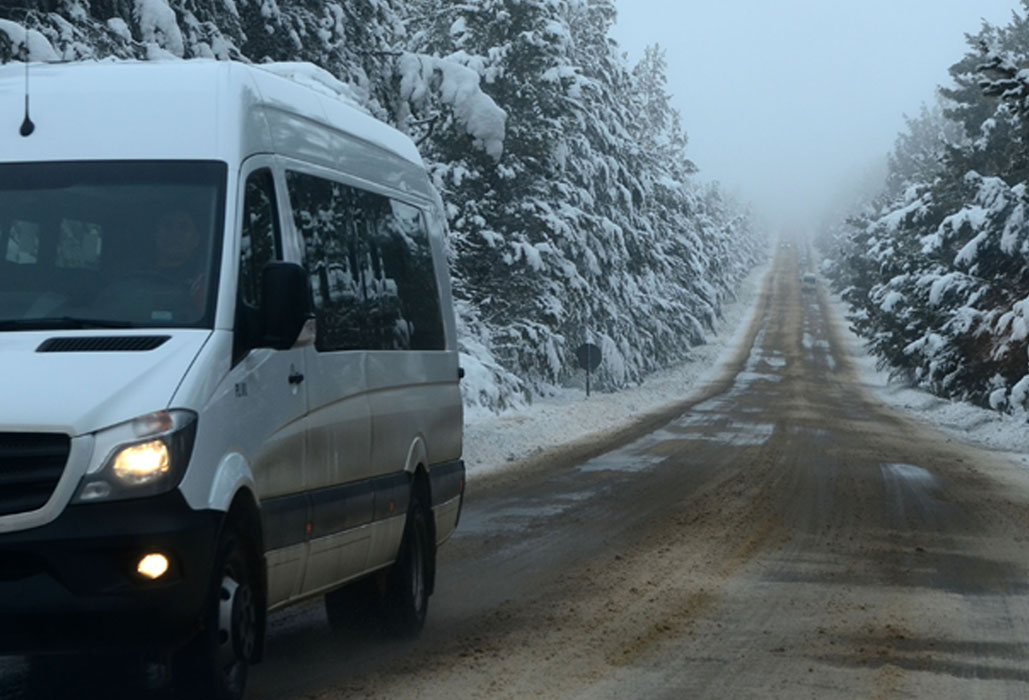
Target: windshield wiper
{"points": [[59, 323]]}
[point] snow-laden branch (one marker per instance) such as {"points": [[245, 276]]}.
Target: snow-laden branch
{"points": [[39, 47], [458, 87]]}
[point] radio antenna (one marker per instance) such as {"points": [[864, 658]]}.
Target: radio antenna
{"points": [[27, 125]]}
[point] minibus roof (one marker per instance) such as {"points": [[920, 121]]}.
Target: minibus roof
{"points": [[192, 109]]}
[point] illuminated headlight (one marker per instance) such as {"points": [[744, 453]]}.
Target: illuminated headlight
{"points": [[141, 457], [142, 464]]}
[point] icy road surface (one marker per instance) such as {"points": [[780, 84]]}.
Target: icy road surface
{"points": [[784, 535]]}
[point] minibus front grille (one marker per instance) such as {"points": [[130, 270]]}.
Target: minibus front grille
{"points": [[31, 464]]}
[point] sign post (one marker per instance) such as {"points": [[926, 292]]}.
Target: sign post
{"points": [[588, 356]]}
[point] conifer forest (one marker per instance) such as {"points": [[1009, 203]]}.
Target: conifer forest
{"points": [[935, 266], [575, 213]]}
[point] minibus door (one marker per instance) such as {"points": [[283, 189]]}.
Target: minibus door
{"points": [[269, 385]]}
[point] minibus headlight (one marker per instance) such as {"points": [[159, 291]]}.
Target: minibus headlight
{"points": [[138, 465], [141, 457]]}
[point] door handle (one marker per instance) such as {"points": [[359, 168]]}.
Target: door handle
{"points": [[295, 377]]}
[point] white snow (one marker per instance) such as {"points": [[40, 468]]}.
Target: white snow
{"points": [[908, 472], [118, 26], [891, 300], [973, 216], [159, 28], [459, 27], [968, 254], [459, 87], [39, 47], [893, 220], [317, 79], [942, 285]]}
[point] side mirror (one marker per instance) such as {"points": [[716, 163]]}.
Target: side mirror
{"points": [[285, 304]]}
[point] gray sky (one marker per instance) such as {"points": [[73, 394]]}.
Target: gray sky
{"points": [[787, 100]]}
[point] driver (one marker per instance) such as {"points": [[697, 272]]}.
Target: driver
{"points": [[176, 241]]}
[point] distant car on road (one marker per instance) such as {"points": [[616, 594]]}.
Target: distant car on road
{"points": [[809, 282]]}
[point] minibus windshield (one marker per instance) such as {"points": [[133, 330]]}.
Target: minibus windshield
{"points": [[111, 244]]}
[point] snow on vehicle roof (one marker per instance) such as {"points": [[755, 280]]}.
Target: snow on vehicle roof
{"points": [[169, 109], [340, 105]]}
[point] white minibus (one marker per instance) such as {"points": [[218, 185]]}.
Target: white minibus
{"points": [[227, 360]]}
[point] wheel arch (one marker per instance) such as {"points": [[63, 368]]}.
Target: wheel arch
{"points": [[232, 474]]}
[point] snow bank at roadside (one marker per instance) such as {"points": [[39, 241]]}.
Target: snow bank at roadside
{"points": [[962, 421], [492, 442]]}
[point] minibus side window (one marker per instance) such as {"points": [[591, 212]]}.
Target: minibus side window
{"points": [[260, 243], [402, 241], [324, 216], [370, 265]]}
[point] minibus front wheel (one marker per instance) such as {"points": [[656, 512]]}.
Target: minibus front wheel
{"points": [[215, 664]]}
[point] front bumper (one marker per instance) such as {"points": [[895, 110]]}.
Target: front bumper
{"points": [[71, 585]]}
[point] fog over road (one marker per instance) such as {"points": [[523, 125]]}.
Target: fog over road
{"points": [[782, 536]]}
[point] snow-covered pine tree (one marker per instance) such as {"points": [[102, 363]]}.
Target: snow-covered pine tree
{"points": [[583, 232], [355, 41], [707, 238], [507, 220], [943, 263]]}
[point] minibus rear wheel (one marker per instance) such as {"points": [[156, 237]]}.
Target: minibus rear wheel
{"points": [[409, 583]]}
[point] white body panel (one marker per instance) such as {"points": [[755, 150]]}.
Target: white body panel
{"points": [[98, 389]]}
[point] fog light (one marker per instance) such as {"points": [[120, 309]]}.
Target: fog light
{"points": [[153, 566]]}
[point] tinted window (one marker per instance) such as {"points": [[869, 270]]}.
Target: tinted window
{"points": [[79, 245], [132, 243], [402, 260], [259, 238], [371, 269], [260, 243]]}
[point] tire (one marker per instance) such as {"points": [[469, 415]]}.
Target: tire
{"points": [[410, 579], [214, 665]]}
